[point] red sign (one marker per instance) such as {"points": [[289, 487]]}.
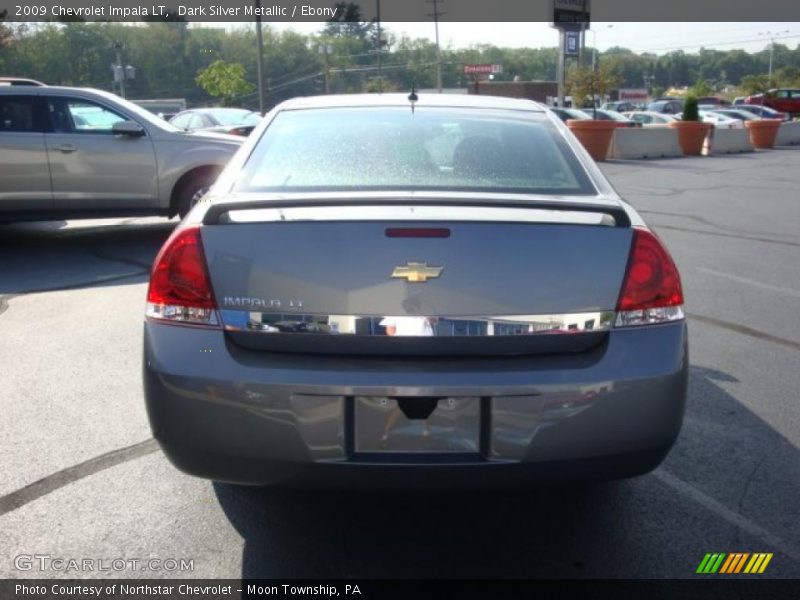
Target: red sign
{"points": [[482, 69], [633, 94]]}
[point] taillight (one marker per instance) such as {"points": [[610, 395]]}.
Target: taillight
{"points": [[180, 289], [651, 292]]}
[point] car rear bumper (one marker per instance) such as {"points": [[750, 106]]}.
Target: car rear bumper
{"points": [[230, 414]]}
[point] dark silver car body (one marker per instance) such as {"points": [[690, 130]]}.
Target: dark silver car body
{"points": [[518, 372]]}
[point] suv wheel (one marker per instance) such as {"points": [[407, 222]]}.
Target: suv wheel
{"points": [[192, 191]]}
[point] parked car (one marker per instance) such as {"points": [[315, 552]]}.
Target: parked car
{"points": [[75, 152], [739, 100], [236, 121], [8, 81], [620, 106], [739, 115], [717, 119], [569, 113], [610, 115], [670, 106], [649, 118], [783, 100], [713, 101], [764, 112], [388, 309]]}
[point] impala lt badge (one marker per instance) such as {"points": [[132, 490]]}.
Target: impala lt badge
{"points": [[415, 272]]}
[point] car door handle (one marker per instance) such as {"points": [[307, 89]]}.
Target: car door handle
{"points": [[66, 148]]}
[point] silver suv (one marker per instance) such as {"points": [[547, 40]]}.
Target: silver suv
{"points": [[74, 152]]}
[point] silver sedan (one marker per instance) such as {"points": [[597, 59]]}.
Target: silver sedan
{"points": [[433, 291]]}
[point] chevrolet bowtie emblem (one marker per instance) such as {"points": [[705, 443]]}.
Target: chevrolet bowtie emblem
{"points": [[415, 272]]}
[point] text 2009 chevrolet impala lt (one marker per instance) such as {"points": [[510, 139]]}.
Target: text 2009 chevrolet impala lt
{"points": [[388, 290]]}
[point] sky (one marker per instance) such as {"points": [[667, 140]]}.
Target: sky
{"points": [[658, 38]]}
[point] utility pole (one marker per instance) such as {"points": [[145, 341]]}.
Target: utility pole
{"points": [[771, 35], [260, 57], [594, 45], [120, 73], [560, 67], [436, 14], [326, 49], [380, 48]]}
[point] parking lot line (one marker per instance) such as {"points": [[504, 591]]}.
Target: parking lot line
{"points": [[722, 511], [753, 282], [64, 477]]}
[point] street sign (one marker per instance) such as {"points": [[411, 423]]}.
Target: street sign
{"points": [[572, 15], [634, 94], [482, 69], [572, 43]]}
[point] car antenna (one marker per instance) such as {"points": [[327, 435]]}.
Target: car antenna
{"points": [[412, 97]]}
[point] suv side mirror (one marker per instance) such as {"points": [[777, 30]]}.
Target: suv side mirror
{"points": [[127, 128]]}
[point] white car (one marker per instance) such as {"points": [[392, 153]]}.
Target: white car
{"points": [[719, 121], [650, 118]]}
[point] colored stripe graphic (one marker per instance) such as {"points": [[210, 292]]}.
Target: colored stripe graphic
{"points": [[711, 563], [733, 563], [758, 563]]}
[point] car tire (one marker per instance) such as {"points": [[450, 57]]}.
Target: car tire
{"points": [[192, 191]]}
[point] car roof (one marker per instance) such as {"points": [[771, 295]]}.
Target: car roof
{"points": [[424, 100], [49, 90]]}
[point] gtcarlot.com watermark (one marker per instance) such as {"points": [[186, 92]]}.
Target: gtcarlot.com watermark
{"points": [[47, 563]]}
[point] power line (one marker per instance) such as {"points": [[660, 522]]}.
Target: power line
{"points": [[710, 45]]}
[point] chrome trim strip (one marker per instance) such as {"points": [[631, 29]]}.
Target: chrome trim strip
{"points": [[420, 213], [417, 325]]}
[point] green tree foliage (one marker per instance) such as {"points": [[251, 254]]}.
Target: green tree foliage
{"points": [[224, 80], [702, 87], [6, 35], [690, 110], [168, 54], [755, 84], [587, 85]]}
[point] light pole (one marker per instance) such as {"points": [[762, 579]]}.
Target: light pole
{"points": [[325, 49], [380, 47], [771, 35], [259, 57], [436, 14], [594, 44]]}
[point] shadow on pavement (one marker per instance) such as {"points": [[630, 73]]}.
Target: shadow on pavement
{"points": [[47, 256], [634, 528]]}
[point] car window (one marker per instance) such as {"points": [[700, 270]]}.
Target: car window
{"points": [[395, 148], [195, 122], [73, 115], [182, 121], [21, 114]]}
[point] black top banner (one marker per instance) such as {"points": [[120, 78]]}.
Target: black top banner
{"points": [[397, 10]]}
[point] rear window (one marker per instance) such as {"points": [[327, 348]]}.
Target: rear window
{"points": [[430, 148]]}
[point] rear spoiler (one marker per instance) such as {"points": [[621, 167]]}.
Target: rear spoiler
{"points": [[618, 214]]}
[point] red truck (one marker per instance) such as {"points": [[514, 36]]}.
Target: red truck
{"points": [[783, 100]]}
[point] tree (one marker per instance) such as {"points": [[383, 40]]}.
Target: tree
{"points": [[701, 88], [224, 80], [348, 22], [584, 83], [755, 84], [6, 35]]}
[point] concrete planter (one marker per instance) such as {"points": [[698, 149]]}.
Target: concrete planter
{"points": [[595, 136], [691, 136], [763, 132]]}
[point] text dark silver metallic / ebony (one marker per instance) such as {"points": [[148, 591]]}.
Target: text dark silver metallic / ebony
{"points": [[438, 293]]}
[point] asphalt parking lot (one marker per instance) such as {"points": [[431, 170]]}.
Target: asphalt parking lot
{"points": [[81, 477]]}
